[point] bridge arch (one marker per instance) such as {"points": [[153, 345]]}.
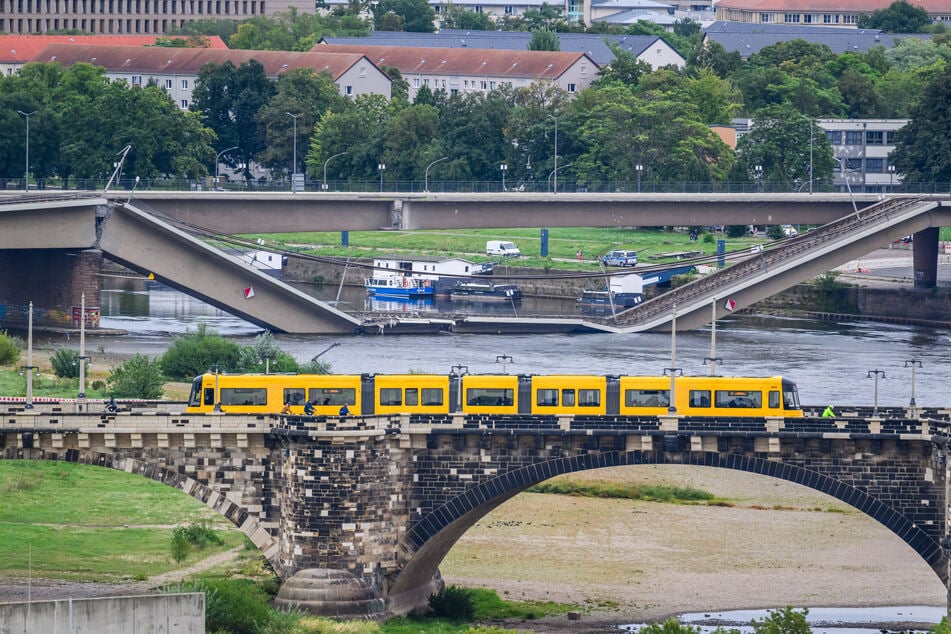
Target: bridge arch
{"points": [[207, 495], [427, 543]]}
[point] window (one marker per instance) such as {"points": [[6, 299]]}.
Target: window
{"points": [[764, 17], [739, 398], [546, 398], [834, 136], [890, 137], [809, 18], [294, 395], [184, 104], [168, 84], [244, 396], [137, 80], [874, 137], [850, 19], [791, 18], [589, 398], [699, 398], [875, 165], [332, 395], [348, 90], [509, 10], [571, 87], [483, 84], [416, 82], [412, 396], [432, 396], [491, 85], [391, 396], [363, 71], [853, 164], [568, 398], [773, 399], [184, 84], [853, 137], [830, 19], [646, 398], [209, 396], [485, 397]]}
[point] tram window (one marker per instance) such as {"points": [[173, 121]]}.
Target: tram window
{"points": [[739, 398], [589, 398], [790, 397], [773, 399], [568, 398], [332, 395], [646, 398], [485, 397], [209, 396], [699, 398], [432, 396], [391, 396], [244, 396], [294, 395], [412, 396], [547, 398]]}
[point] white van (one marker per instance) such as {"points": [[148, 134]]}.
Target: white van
{"points": [[503, 248]]}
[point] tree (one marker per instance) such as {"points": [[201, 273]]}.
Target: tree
{"points": [[544, 40], [625, 67], [414, 15], [139, 377], [193, 353], [787, 145], [546, 17], [454, 16], [898, 17], [785, 621], [923, 147]]}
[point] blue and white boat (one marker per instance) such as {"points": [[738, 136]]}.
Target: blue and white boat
{"points": [[399, 286]]}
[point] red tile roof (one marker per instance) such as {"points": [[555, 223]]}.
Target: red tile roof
{"points": [[187, 61], [831, 6], [23, 48], [465, 61]]}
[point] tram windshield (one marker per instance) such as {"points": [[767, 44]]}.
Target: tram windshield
{"points": [[790, 395], [194, 397]]}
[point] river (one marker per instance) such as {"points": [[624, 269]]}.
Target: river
{"points": [[830, 361]]}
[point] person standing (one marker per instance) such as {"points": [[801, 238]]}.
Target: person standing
{"points": [[579, 254], [828, 412]]}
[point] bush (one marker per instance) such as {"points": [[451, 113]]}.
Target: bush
{"points": [[193, 353], [139, 377], [179, 546], [65, 363], [9, 349], [235, 605], [453, 603], [265, 355]]}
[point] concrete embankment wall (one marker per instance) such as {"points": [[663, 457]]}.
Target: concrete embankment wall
{"points": [[155, 614]]}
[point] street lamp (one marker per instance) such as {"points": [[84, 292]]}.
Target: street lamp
{"points": [[503, 167], [426, 185], [26, 174], [876, 374], [82, 348], [672, 370], [218, 156], [503, 359], [891, 178], [912, 363], [758, 170], [294, 171], [381, 167], [555, 172], [29, 367], [323, 184], [638, 168], [461, 371]]}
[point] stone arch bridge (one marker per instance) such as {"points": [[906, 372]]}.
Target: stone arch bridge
{"points": [[356, 514]]}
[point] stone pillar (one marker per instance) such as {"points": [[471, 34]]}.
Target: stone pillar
{"points": [[54, 280], [925, 249]]}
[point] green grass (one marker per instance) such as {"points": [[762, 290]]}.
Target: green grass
{"points": [[85, 523], [44, 384], [646, 493], [563, 244]]}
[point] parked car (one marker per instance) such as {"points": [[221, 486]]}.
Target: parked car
{"points": [[503, 248], [620, 258]]}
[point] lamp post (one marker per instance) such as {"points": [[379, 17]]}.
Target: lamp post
{"points": [[26, 173], [461, 371], [381, 167], [912, 363], [29, 367], [502, 168], [426, 180], [876, 374], [323, 183], [218, 156], [294, 117], [891, 178], [638, 168], [555, 172], [672, 370], [503, 359], [758, 171], [82, 349]]}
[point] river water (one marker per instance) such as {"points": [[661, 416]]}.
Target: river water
{"points": [[830, 361]]}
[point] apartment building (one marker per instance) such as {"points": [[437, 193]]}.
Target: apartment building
{"points": [[176, 69], [817, 12], [133, 17]]}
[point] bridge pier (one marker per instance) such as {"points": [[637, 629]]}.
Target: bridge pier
{"points": [[54, 280], [925, 250]]}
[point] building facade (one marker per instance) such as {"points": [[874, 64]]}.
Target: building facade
{"points": [[476, 70], [134, 17], [861, 148], [176, 69], [817, 12]]}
